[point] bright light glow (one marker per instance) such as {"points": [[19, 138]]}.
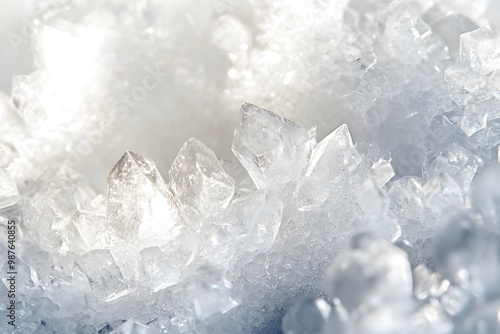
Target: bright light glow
{"points": [[70, 58]]}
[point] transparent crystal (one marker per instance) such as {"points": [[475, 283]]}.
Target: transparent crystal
{"points": [[139, 201], [103, 275], [199, 182], [91, 227], [163, 265], [479, 50], [132, 327], [381, 172], [332, 160], [273, 149]]}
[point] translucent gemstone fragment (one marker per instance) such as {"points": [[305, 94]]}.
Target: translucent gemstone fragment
{"points": [[163, 265], [210, 293], [332, 160], [273, 149], [26, 91], [335, 155], [460, 164], [474, 119], [139, 201], [373, 200], [249, 226], [404, 31], [103, 275], [381, 172], [366, 275], [307, 316], [131, 326], [9, 195], [464, 83], [480, 50], [91, 227], [199, 182]]}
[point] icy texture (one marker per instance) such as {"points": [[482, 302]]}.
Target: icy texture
{"points": [[198, 180], [268, 146], [139, 201], [366, 201], [479, 50], [104, 276]]}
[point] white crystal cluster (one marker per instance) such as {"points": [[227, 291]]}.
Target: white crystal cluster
{"points": [[293, 228]]}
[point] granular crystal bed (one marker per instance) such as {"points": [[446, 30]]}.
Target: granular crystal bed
{"points": [[251, 166]]}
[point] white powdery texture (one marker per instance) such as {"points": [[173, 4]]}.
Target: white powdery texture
{"points": [[301, 229]]}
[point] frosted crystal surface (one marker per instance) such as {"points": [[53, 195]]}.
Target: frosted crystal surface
{"points": [[210, 292], [199, 182], [479, 50], [139, 201], [103, 274], [359, 194], [163, 266], [271, 154]]}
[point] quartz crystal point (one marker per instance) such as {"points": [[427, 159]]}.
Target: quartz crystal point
{"points": [[332, 159], [210, 293], [272, 149], [139, 200], [104, 276], [199, 182], [367, 275], [480, 50]]}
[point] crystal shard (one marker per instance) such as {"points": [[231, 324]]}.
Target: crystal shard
{"points": [[480, 50], [273, 149], [139, 201], [103, 275], [9, 195], [199, 182], [210, 293], [163, 265], [131, 327], [332, 159]]}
